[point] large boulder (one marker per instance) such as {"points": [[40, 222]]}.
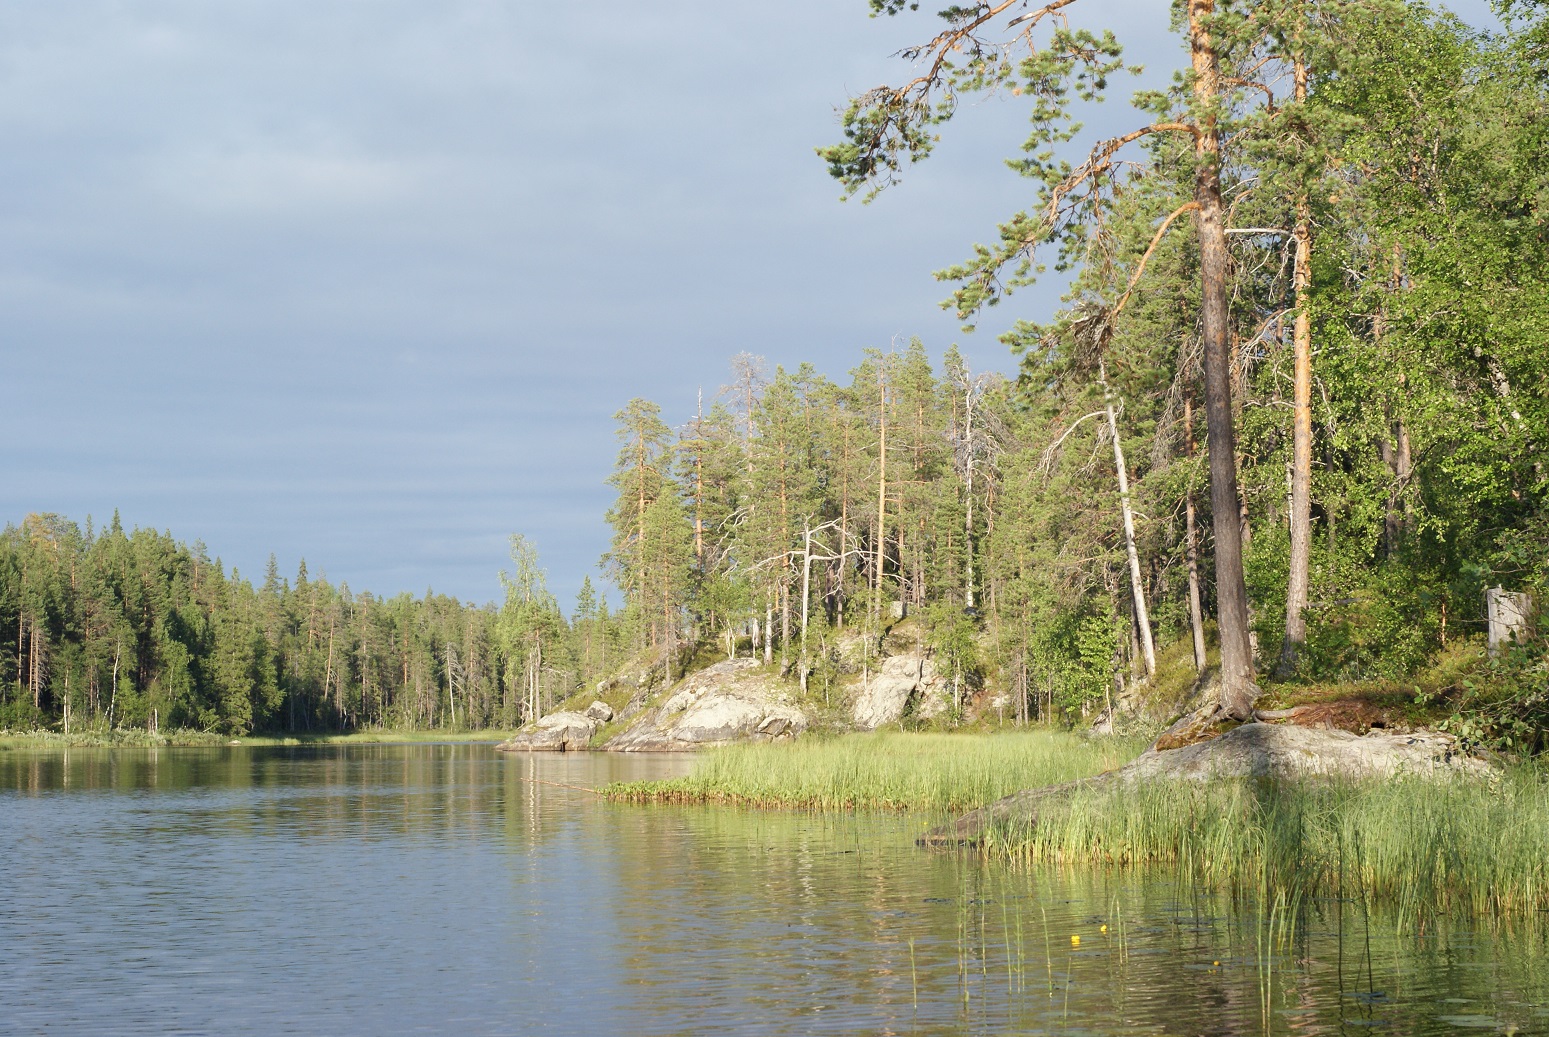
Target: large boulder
{"points": [[1291, 751], [1284, 752], [902, 679], [726, 702], [558, 732]]}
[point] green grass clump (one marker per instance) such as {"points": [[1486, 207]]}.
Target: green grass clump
{"points": [[886, 770], [1424, 846]]}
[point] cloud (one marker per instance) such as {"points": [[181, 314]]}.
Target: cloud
{"points": [[320, 276], [268, 179]]}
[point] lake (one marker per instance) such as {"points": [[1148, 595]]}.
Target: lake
{"points": [[451, 889]]}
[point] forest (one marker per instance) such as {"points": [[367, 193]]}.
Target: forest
{"points": [[1296, 443]]}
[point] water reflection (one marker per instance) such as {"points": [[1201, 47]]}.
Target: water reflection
{"points": [[401, 889]]}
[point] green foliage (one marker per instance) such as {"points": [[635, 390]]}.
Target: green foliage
{"points": [[1503, 703], [533, 637], [1419, 155], [1416, 157], [952, 635], [132, 630]]}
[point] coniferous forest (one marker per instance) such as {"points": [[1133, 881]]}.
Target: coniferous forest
{"points": [[1290, 422]]}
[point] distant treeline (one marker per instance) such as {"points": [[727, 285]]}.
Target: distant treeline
{"points": [[105, 627]]}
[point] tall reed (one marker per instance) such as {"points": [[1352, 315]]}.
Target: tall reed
{"points": [[887, 770], [1425, 846]]}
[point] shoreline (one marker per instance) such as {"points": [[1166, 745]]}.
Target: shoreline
{"points": [[135, 738]]}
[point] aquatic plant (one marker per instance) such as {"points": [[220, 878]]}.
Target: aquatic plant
{"points": [[1422, 845], [887, 770]]}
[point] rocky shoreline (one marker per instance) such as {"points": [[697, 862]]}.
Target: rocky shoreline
{"points": [[730, 701], [727, 702], [1264, 751]]}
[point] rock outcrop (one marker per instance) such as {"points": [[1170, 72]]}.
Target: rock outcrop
{"points": [[1284, 752], [902, 680], [558, 732], [1291, 751], [726, 702]]}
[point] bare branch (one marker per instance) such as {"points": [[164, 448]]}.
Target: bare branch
{"points": [[1047, 459], [1140, 268]]}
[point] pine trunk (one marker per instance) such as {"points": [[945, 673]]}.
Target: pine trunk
{"points": [[1301, 449], [881, 490], [1237, 689], [1191, 549], [1301, 431]]}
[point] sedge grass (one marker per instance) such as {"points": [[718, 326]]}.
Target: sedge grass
{"points": [[1423, 846], [939, 773]]}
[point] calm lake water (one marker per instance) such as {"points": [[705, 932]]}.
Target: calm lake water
{"points": [[442, 889]]}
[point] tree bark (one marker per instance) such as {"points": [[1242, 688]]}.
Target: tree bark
{"points": [[1397, 457], [1396, 454], [768, 632], [1191, 548], [1301, 424], [1301, 448], [806, 595], [881, 488], [1137, 586], [1237, 688], [699, 485], [968, 498]]}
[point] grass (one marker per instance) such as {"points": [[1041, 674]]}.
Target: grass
{"points": [[132, 738], [885, 770], [1424, 846]]}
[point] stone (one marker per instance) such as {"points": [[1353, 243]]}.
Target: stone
{"points": [[934, 697], [726, 702], [600, 712], [886, 698], [1291, 751], [718, 718], [564, 731], [1285, 752], [1507, 615]]}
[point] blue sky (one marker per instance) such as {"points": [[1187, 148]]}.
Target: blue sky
{"points": [[363, 282]]}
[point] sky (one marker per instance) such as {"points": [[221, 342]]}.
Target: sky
{"points": [[364, 281]]}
